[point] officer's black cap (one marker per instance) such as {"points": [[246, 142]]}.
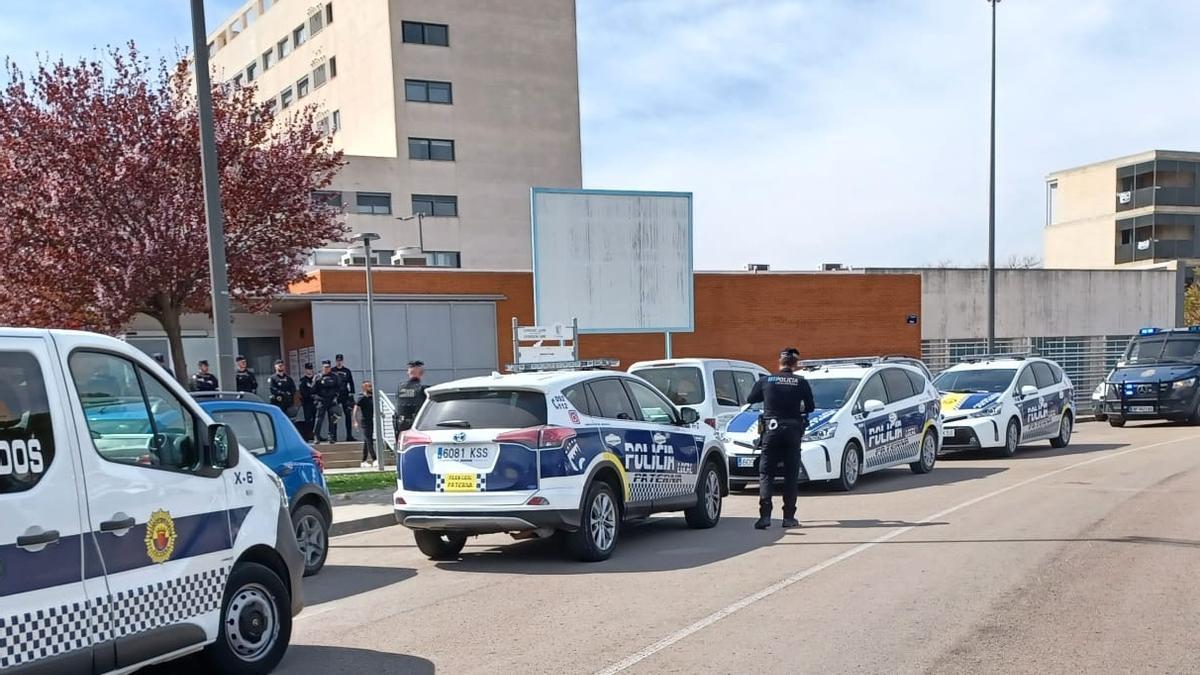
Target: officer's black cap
{"points": [[325, 362], [240, 358], [339, 357], [308, 366], [203, 362], [415, 364], [789, 352]]}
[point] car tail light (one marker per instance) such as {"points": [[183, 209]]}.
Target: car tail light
{"points": [[411, 437], [400, 501], [711, 421], [537, 437], [317, 459], [537, 501]]}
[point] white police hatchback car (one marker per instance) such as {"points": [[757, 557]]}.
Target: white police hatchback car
{"points": [[871, 413], [570, 452], [1003, 401]]}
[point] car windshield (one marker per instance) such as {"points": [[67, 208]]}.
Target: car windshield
{"points": [[1164, 349], [683, 385], [483, 409], [991, 380], [832, 393]]}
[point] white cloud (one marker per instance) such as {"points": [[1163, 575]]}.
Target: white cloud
{"points": [[856, 132]]}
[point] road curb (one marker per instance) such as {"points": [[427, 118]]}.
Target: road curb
{"points": [[362, 524]]}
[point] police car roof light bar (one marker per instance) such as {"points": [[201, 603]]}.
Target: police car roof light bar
{"points": [[585, 364], [863, 361], [1015, 356]]}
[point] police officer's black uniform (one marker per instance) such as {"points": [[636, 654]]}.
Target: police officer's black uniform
{"points": [[326, 389], [787, 399], [283, 390], [308, 403], [246, 381], [204, 381], [346, 397], [409, 399]]}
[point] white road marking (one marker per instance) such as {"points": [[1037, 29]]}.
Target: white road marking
{"points": [[745, 602]]}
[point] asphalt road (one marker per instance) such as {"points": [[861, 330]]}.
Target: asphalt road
{"points": [[1082, 560]]}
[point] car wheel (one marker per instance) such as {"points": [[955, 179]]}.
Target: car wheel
{"points": [[312, 536], [1100, 417], [1194, 418], [599, 526], [256, 623], [1012, 439], [851, 467], [439, 545], [1065, 427], [929, 450], [707, 510], [738, 485], [1116, 421]]}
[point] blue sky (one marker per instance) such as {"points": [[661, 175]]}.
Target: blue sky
{"points": [[811, 131]]}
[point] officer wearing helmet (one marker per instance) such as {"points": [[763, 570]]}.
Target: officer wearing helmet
{"points": [[787, 399]]}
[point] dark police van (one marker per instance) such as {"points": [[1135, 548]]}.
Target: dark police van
{"points": [[1156, 378]]}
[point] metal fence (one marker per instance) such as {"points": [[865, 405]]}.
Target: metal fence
{"points": [[1086, 359]]}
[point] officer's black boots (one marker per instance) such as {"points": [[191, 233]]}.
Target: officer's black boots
{"points": [[790, 522], [762, 523]]}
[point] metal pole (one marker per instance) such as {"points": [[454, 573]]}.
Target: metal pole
{"points": [[991, 281], [222, 319], [668, 336], [376, 391]]}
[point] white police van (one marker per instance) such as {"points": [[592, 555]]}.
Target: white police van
{"points": [[871, 413], [134, 530], [576, 452], [716, 388], [1003, 401]]}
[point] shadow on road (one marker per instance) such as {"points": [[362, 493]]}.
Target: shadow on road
{"points": [[303, 659], [1151, 541], [335, 582], [658, 545], [1039, 450]]}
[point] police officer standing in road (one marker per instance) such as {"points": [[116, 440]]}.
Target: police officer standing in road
{"points": [[246, 380], [204, 380], [326, 389], [787, 399], [282, 387], [307, 403], [346, 396], [409, 397]]}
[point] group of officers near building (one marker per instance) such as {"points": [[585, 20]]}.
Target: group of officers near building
{"points": [[324, 398]]}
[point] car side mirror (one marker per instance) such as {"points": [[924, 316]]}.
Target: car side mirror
{"points": [[689, 415], [222, 447], [1029, 390], [872, 406]]}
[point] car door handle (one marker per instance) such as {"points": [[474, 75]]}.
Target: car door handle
{"points": [[39, 539], [117, 524]]}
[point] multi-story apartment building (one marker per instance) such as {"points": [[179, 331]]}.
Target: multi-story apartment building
{"points": [[1137, 211], [450, 110]]}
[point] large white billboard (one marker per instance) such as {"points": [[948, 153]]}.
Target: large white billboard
{"points": [[620, 262]]}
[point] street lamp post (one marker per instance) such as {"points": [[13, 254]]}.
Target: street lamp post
{"points": [[222, 321], [366, 238], [420, 218], [991, 277]]}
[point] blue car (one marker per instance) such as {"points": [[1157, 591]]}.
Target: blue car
{"points": [[271, 436], [1157, 378]]}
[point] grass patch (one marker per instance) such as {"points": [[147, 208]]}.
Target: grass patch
{"points": [[340, 483]]}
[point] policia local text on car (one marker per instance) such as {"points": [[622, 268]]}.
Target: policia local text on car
{"points": [[786, 399]]}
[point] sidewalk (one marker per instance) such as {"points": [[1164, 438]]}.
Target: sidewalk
{"points": [[361, 511]]}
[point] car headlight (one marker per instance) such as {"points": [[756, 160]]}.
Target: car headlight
{"points": [[990, 411], [823, 434], [1184, 384]]}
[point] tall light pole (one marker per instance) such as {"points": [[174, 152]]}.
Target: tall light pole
{"points": [[420, 218], [366, 238], [222, 320], [991, 276]]}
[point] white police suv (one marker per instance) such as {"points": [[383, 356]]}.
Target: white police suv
{"points": [[1003, 401], [577, 452], [871, 413], [134, 530]]}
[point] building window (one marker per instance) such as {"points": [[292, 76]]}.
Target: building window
{"points": [[426, 91], [322, 125], [1051, 202], [316, 22], [235, 28], [329, 13], [332, 67], [327, 197], [300, 34], [252, 71], [285, 98], [273, 105], [438, 206], [418, 33], [284, 47], [302, 87], [431, 148], [336, 119], [212, 49], [442, 259], [237, 80], [318, 76], [373, 203], [267, 4], [268, 59], [250, 15]]}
